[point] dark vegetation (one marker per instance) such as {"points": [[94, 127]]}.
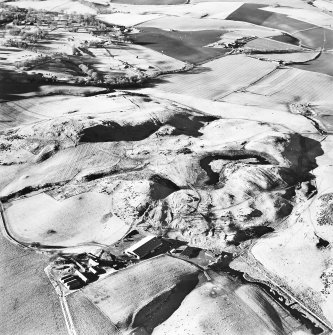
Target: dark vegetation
{"points": [[12, 83], [246, 234], [286, 38], [187, 46], [7, 14], [322, 244]]}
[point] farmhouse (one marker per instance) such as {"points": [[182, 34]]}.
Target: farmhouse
{"points": [[144, 247]]}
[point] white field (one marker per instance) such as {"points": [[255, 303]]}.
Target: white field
{"points": [[10, 57], [254, 100], [286, 85], [140, 57], [106, 64], [289, 89], [32, 109], [42, 108], [12, 114], [8, 173], [144, 58], [146, 9], [126, 19], [218, 10], [221, 77], [194, 24], [292, 256], [54, 106], [310, 15], [68, 6], [324, 5], [62, 166], [267, 44], [85, 218], [223, 133], [293, 122]]}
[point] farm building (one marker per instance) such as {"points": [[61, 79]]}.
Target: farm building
{"points": [[71, 282], [81, 276], [144, 247]]}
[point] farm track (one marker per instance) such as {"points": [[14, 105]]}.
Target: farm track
{"points": [[67, 316]]}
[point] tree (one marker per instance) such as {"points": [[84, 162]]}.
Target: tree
{"points": [[95, 76], [84, 68]]}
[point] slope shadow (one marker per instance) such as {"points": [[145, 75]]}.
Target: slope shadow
{"points": [[232, 155], [12, 83], [163, 306], [185, 124], [302, 153], [162, 187]]}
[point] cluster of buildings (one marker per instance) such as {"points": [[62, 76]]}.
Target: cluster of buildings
{"points": [[86, 268], [81, 274]]}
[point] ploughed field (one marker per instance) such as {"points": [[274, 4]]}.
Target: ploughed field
{"points": [[310, 35], [220, 77], [186, 46]]}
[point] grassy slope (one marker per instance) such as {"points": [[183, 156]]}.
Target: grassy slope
{"points": [[125, 297]]}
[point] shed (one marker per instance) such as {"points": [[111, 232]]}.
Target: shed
{"points": [[81, 276], [144, 247]]}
